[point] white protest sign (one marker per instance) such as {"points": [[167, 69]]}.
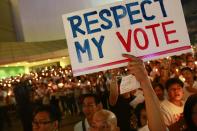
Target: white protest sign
{"points": [[128, 83], [148, 29], [139, 98]]}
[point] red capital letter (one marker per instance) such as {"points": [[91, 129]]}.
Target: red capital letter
{"points": [[166, 33], [145, 38], [127, 45], [154, 32]]}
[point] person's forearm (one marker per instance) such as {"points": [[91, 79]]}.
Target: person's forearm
{"points": [[136, 68], [113, 93], [155, 119], [191, 89]]}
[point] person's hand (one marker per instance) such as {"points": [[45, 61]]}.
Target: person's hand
{"points": [[113, 87], [113, 81], [136, 67]]}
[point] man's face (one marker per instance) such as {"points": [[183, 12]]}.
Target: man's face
{"points": [[89, 107], [175, 92], [159, 92], [191, 64], [101, 124], [187, 75], [42, 122]]}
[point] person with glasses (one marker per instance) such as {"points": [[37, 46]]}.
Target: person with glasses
{"points": [[45, 119]]}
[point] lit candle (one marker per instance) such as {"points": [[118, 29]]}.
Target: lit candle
{"points": [[9, 93], [156, 69], [89, 83]]}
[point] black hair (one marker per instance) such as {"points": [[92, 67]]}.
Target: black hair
{"points": [[96, 98], [187, 69], [22, 91], [173, 81], [53, 114], [189, 105], [138, 110], [188, 55], [190, 70], [156, 84]]}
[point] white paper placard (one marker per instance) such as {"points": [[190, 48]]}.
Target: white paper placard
{"points": [[148, 29], [128, 83]]}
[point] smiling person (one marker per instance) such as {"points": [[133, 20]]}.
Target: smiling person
{"points": [[91, 104], [45, 119]]}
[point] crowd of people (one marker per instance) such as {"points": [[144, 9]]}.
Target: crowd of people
{"points": [[97, 97]]}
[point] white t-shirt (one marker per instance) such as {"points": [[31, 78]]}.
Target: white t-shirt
{"points": [[79, 127], [144, 128], [171, 112]]}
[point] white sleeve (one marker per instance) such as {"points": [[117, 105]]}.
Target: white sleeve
{"points": [[78, 126]]}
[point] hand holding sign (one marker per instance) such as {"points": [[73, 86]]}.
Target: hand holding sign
{"points": [[136, 68]]}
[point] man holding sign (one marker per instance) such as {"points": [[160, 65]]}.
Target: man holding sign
{"points": [[120, 98], [147, 29], [155, 119]]}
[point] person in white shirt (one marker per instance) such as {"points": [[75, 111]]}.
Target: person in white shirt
{"points": [[172, 108], [91, 104], [190, 85]]}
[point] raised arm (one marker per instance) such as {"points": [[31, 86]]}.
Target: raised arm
{"points": [[113, 97], [155, 119]]}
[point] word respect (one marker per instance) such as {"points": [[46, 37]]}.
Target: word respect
{"points": [[105, 19]]}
